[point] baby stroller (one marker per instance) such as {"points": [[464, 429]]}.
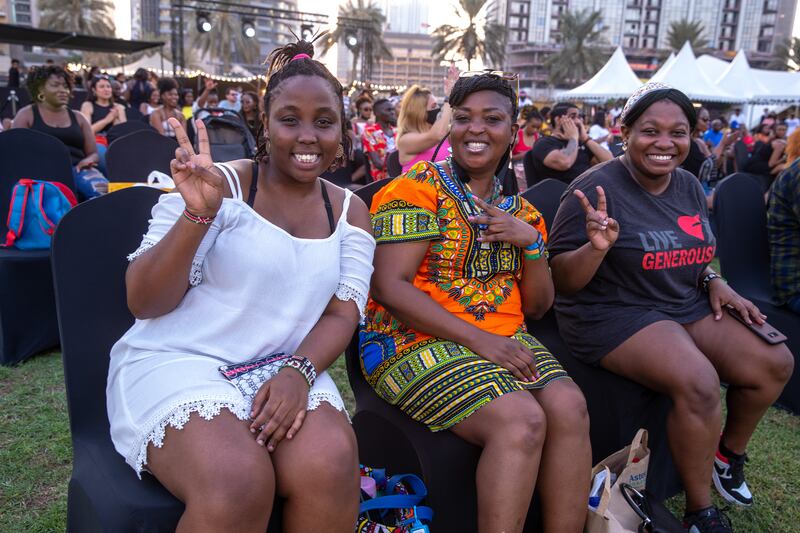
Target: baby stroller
{"points": [[228, 135]]}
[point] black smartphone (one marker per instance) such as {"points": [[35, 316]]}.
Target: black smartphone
{"points": [[767, 333]]}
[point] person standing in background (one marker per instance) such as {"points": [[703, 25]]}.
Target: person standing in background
{"points": [[378, 138], [14, 74]]}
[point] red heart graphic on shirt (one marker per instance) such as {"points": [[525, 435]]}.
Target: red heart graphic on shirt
{"points": [[692, 226]]}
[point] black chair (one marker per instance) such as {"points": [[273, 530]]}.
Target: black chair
{"points": [[27, 303], [368, 191], [546, 197], [741, 222], [89, 248], [393, 166], [530, 170], [617, 407], [133, 156], [129, 126]]}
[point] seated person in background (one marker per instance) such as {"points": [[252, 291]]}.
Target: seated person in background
{"points": [[153, 102], [208, 99], [224, 452], [737, 118], [457, 269], [378, 138], [353, 173], [527, 135], [569, 151], [631, 244], [100, 108], [168, 88], [363, 113], [50, 88], [422, 124], [138, 89], [783, 227], [250, 114], [768, 157], [713, 136], [232, 100], [187, 101], [599, 131]]}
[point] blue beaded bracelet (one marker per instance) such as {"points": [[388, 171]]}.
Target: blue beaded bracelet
{"points": [[537, 246]]}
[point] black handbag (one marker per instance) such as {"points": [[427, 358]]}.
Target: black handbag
{"points": [[655, 517]]}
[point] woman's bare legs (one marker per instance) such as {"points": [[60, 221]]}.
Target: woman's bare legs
{"points": [[511, 431], [566, 466], [755, 371], [216, 468], [664, 357], [317, 473]]}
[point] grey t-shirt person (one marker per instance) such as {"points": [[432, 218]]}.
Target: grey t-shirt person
{"points": [[653, 271]]}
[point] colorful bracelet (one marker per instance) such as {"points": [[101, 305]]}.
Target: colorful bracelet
{"points": [[535, 250], [708, 278], [198, 219], [304, 366]]}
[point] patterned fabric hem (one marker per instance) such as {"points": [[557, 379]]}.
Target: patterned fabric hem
{"points": [[195, 274], [146, 245], [209, 408], [177, 417], [477, 406], [345, 292]]}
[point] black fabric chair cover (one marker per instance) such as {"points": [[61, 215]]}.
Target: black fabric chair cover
{"points": [[89, 250], [129, 126], [368, 191], [546, 197], [617, 408], [741, 224], [27, 304], [393, 165], [530, 171], [133, 156]]}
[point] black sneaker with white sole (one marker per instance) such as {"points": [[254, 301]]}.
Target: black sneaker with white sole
{"points": [[728, 476], [708, 520]]}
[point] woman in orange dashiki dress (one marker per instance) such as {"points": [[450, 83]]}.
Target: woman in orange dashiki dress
{"points": [[457, 268]]}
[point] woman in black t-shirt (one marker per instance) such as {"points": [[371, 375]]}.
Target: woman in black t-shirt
{"points": [[636, 296]]}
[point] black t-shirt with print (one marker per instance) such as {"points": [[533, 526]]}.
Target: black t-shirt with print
{"points": [[652, 272], [544, 146]]}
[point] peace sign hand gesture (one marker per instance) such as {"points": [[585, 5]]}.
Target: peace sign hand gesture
{"points": [[503, 227], [601, 230], [200, 185]]}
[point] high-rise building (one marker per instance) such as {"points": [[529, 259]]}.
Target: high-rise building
{"points": [[641, 27], [405, 16], [155, 18], [411, 63]]}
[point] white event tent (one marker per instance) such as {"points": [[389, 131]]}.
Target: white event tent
{"points": [[685, 74], [615, 80]]}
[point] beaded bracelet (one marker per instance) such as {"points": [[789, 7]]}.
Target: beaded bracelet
{"points": [[535, 250], [304, 366], [198, 219], [709, 278]]}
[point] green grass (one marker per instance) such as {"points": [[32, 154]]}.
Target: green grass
{"points": [[35, 456]]}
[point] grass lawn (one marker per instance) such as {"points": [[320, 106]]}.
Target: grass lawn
{"points": [[35, 456]]}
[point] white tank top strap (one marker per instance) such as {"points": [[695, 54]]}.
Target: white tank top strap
{"points": [[233, 178], [346, 204]]}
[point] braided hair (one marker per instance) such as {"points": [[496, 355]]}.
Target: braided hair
{"points": [[484, 82], [284, 64]]}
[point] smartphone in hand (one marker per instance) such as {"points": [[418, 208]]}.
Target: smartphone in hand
{"points": [[768, 334]]}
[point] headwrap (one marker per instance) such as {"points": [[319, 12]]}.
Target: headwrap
{"points": [[638, 94]]}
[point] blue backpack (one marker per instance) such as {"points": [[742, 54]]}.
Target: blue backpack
{"points": [[35, 209]]}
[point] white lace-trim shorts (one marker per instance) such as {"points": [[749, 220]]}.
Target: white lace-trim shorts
{"points": [[178, 412]]}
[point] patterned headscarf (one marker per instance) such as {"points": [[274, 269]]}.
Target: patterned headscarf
{"points": [[638, 94]]}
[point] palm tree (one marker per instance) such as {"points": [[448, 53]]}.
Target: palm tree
{"points": [[481, 37], [787, 56], [90, 17], [684, 30], [225, 42], [581, 54], [363, 21]]}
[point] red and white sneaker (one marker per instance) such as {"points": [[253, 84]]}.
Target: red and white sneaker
{"points": [[728, 476]]}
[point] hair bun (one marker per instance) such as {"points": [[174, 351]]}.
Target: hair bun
{"points": [[282, 56]]}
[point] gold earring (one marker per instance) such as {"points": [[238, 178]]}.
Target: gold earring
{"points": [[339, 161], [624, 146]]}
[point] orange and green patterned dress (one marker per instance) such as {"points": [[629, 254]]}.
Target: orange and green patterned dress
{"points": [[437, 381]]}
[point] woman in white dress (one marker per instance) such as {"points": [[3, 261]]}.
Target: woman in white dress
{"points": [[219, 280]]}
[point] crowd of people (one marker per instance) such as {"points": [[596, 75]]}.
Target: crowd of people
{"points": [[438, 275]]}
